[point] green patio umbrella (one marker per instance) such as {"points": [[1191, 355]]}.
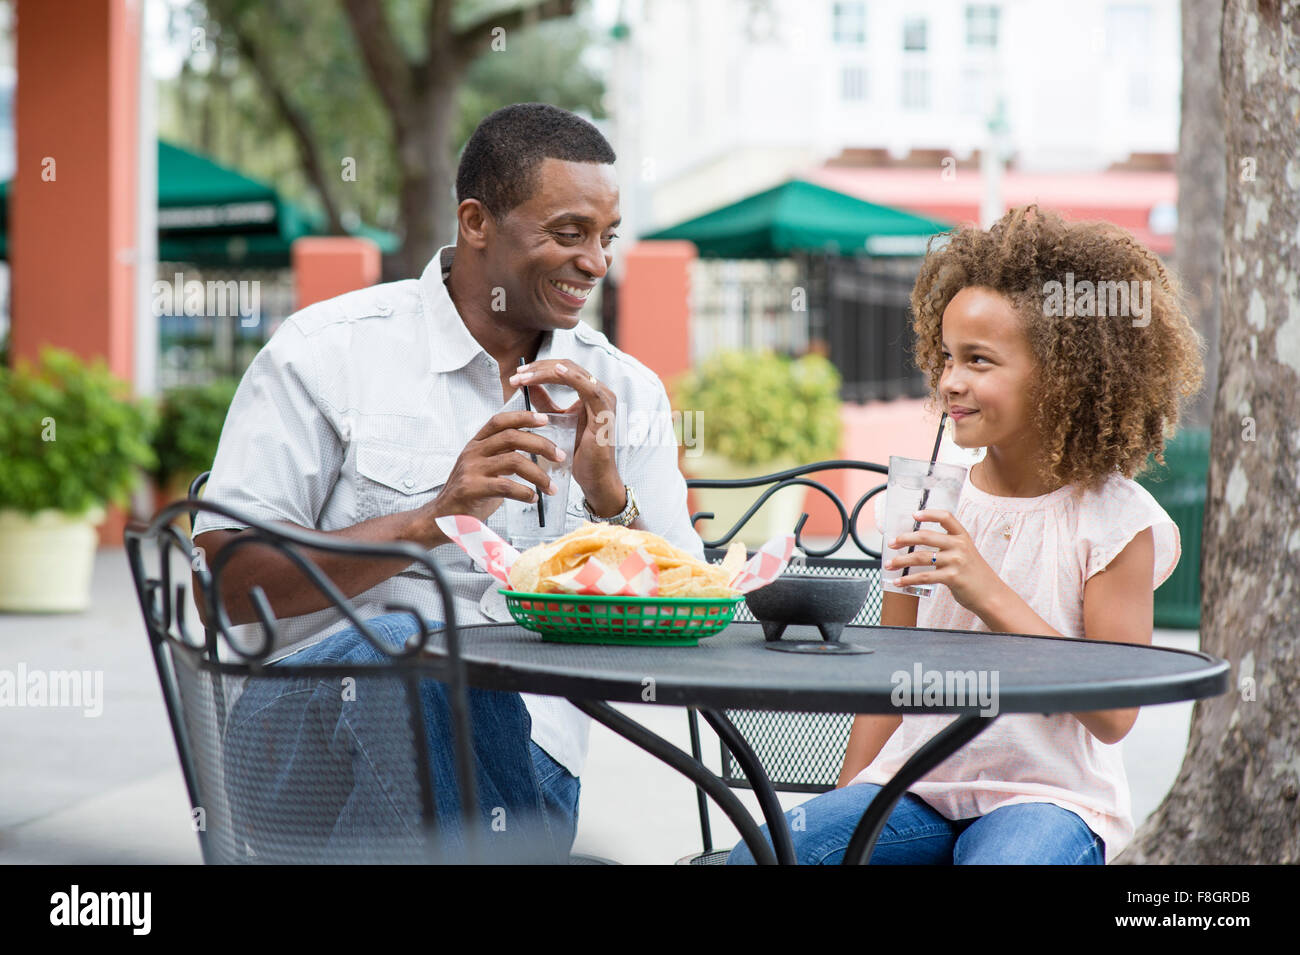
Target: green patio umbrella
{"points": [[209, 214], [799, 216]]}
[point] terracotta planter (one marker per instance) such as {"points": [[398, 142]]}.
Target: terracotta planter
{"points": [[46, 560], [777, 516]]}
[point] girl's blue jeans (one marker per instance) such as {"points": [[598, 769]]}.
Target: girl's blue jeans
{"points": [[310, 768], [1024, 834]]}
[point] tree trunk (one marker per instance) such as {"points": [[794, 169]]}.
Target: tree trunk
{"points": [[1198, 246], [1235, 797], [428, 179]]}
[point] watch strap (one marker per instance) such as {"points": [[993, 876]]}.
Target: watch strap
{"points": [[623, 518]]}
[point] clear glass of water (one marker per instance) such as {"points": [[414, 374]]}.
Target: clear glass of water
{"points": [[524, 528], [913, 486]]}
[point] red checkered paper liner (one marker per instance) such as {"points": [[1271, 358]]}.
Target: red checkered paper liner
{"points": [[637, 576], [766, 565], [481, 543]]}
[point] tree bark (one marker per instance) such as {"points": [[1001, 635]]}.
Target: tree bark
{"points": [[421, 100], [418, 96], [428, 179], [299, 126], [1198, 245], [1235, 797]]}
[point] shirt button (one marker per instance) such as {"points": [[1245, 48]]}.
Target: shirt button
{"points": [[407, 483], [383, 308]]}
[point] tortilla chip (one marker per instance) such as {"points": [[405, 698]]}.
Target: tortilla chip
{"points": [[524, 572], [735, 559], [680, 574]]}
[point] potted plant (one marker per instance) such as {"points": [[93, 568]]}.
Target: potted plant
{"points": [[189, 428], [71, 441], [756, 413]]}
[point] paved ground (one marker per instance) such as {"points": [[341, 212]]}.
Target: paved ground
{"points": [[108, 789]]}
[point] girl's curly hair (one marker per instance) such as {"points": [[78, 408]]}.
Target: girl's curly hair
{"points": [[1109, 392]]}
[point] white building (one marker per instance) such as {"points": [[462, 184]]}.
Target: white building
{"points": [[715, 99]]}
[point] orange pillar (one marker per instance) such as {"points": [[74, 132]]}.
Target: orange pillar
{"points": [[72, 210], [654, 312], [654, 306], [325, 266]]}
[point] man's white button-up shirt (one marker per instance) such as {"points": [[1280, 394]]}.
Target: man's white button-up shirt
{"points": [[359, 406]]}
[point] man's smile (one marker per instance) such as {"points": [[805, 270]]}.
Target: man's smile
{"points": [[572, 294]]}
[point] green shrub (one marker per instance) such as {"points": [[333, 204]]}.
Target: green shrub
{"points": [[71, 438], [756, 407], [189, 429]]}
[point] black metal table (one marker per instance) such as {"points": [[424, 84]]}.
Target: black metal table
{"points": [[731, 670]]}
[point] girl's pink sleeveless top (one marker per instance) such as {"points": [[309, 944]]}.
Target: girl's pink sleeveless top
{"points": [[1045, 548]]}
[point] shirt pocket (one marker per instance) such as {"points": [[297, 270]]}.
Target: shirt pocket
{"points": [[392, 478]]}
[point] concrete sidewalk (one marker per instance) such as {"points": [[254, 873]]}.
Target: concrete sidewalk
{"points": [[107, 789]]}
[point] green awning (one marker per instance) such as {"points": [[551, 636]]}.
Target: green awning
{"points": [[799, 216], [209, 214]]}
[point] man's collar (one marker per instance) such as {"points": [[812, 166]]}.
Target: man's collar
{"points": [[452, 347]]}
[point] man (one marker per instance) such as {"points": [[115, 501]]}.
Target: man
{"points": [[370, 415]]}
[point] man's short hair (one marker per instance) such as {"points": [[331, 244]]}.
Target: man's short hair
{"points": [[498, 166]]}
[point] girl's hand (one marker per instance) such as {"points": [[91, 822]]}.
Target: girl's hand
{"points": [[957, 564]]}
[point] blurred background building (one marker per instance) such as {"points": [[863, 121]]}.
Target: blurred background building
{"points": [[728, 97], [787, 160]]}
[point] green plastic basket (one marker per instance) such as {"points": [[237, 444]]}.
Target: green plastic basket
{"points": [[638, 621]]}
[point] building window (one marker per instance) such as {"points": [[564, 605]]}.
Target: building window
{"points": [[850, 24], [853, 84], [914, 34], [1139, 90], [1128, 31], [916, 88], [982, 26], [973, 91]]}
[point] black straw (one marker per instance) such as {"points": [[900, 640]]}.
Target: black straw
{"points": [[528, 405], [925, 495]]}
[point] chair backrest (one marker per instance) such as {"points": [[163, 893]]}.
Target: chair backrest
{"points": [[196, 486], [255, 795], [801, 752]]}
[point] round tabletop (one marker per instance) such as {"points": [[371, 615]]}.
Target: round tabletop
{"points": [[910, 670]]}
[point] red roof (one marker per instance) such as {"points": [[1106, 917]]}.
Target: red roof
{"points": [[1124, 198]]}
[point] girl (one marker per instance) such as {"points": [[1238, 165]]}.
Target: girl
{"points": [[1068, 385]]}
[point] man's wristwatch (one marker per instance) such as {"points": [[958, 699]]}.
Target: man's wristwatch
{"points": [[623, 518]]}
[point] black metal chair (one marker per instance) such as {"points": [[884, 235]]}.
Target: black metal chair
{"points": [[247, 807], [800, 752], [217, 850]]}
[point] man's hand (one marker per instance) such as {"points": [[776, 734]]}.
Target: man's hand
{"points": [[594, 465], [480, 479]]}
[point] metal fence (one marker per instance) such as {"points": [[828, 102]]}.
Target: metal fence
{"points": [[868, 327], [854, 310], [209, 330], [747, 305]]}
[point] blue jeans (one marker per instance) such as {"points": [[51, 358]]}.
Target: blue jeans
{"points": [[1036, 833], [317, 773]]}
